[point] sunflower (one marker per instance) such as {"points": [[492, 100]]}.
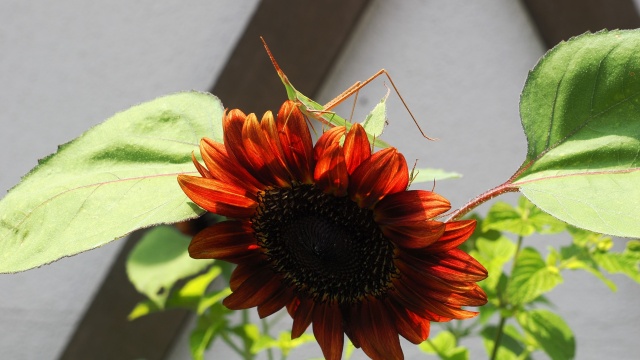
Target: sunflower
{"points": [[331, 233]]}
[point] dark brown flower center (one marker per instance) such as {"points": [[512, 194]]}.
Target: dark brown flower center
{"points": [[325, 246]]}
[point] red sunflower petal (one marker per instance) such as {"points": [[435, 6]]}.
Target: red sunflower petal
{"points": [[218, 197], [227, 240], [376, 332], [201, 169], [254, 291], [453, 265], [413, 293], [412, 205], [327, 328], [411, 326], [329, 137], [296, 142], [455, 233], [331, 171], [276, 302], [415, 270], [356, 147], [384, 173], [226, 169], [243, 271], [264, 161], [302, 316], [414, 234]]}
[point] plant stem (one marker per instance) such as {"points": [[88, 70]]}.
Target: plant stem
{"points": [[232, 345], [265, 331], [247, 345], [484, 197], [503, 319]]}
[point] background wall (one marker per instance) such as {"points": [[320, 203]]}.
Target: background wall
{"points": [[460, 66]]}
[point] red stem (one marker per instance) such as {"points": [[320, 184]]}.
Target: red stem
{"points": [[486, 196]]}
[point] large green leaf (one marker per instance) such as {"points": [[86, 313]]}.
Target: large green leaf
{"points": [[159, 260], [580, 110], [117, 177], [550, 331], [531, 277]]}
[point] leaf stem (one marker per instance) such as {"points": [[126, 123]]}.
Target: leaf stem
{"points": [[503, 319], [247, 344], [496, 342], [482, 198], [265, 331]]}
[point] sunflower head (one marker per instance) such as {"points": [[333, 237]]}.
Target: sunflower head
{"points": [[331, 233]]}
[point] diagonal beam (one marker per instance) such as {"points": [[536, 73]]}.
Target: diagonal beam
{"points": [[306, 36], [559, 20]]}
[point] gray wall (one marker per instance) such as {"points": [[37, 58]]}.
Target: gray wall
{"points": [[460, 65]]}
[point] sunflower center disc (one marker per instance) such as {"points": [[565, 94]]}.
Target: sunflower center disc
{"points": [[325, 246]]}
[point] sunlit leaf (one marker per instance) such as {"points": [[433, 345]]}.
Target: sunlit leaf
{"points": [[143, 308], [493, 254], [444, 345], [510, 344], [531, 277], [550, 331], [160, 259], [523, 220], [580, 110], [429, 175], [115, 178], [208, 327]]}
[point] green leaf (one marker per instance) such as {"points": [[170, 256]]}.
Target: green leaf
{"points": [[208, 327], [580, 112], [531, 277], [627, 263], [575, 257], [493, 254], [284, 342], [444, 345], [192, 294], [118, 177], [426, 175], [524, 220], [510, 345], [551, 332], [160, 259], [143, 308]]}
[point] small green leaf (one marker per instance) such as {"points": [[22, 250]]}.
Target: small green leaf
{"points": [[550, 331], [143, 308], [192, 294], [579, 110], [118, 177], [510, 345], [524, 220], [444, 345], [531, 277], [575, 257], [626, 263], [493, 254], [426, 175], [208, 327], [159, 260]]}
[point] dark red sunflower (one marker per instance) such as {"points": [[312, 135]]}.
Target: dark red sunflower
{"points": [[332, 233]]}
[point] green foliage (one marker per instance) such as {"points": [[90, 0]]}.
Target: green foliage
{"points": [[579, 110], [426, 175], [159, 260], [445, 346], [531, 277], [550, 332], [105, 184]]}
